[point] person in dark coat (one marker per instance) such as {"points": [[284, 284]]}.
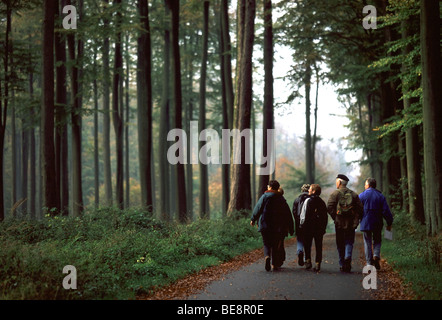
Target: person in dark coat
{"points": [[375, 210], [297, 206], [274, 222], [345, 208], [313, 222]]}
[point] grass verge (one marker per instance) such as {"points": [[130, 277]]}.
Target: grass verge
{"points": [[117, 254], [415, 257]]}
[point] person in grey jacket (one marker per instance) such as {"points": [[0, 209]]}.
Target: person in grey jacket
{"points": [[274, 222]]}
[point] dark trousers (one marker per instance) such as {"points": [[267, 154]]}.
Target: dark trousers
{"points": [[345, 239], [274, 247], [308, 241]]}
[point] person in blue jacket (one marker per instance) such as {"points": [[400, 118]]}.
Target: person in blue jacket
{"points": [[375, 210], [275, 222]]}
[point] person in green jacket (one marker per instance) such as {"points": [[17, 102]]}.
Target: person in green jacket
{"points": [[345, 208]]}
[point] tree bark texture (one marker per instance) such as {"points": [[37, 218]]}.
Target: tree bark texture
{"points": [[204, 207], [240, 196], [432, 113], [144, 105], [268, 89], [49, 191]]}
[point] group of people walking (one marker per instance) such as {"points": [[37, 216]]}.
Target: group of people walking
{"points": [[308, 219]]}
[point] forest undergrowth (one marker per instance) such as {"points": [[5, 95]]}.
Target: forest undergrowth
{"points": [[116, 254], [415, 257]]}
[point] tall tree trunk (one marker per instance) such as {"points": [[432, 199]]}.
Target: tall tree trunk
{"points": [[49, 190], [225, 166], [144, 105], [126, 126], [204, 207], [32, 158], [240, 24], [227, 93], [96, 148], [164, 123], [374, 121], [122, 109], [4, 100], [77, 195], [227, 59], [308, 133], [179, 186], [432, 112], [25, 163], [315, 128], [8, 94], [61, 161], [116, 109], [240, 196], [414, 172], [268, 90], [2, 143], [189, 118], [106, 112], [403, 170]]}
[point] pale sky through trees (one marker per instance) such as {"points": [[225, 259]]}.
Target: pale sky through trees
{"points": [[332, 118]]}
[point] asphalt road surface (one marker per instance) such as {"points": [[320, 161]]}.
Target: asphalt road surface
{"points": [[294, 282]]}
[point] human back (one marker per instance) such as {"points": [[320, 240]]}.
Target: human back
{"points": [[273, 213], [316, 217], [375, 209], [345, 208]]}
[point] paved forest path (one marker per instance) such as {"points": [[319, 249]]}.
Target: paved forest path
{"points": [[293, 282]]}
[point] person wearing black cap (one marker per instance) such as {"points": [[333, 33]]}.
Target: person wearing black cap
{"points": [[345, 208]]}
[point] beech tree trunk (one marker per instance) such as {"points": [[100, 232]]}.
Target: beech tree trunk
{"points": [[96, 148], [106, 114], [308, 132], [432, 112], [227, 94], [179, 177], [204, 207], [32, 156], [4, 97], [49, 190], [144, 105], [164, 123], [117, 111], [268, 88], [61, 137], [77, 195], [240, 196]]}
